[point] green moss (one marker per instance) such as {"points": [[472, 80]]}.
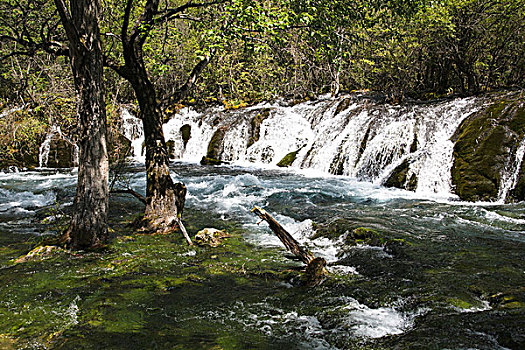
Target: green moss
{"points": [[459, 303], [482, 149], [255, 126], [363, 235], [288, 159]]}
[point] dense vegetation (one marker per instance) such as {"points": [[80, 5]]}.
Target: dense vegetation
{"points": [[262, 50]]}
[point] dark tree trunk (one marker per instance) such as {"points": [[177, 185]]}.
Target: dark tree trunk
{"points": [[88, 226], [164, 198]]}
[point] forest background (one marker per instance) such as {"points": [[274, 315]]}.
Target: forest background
{"points": [[407, 49]]}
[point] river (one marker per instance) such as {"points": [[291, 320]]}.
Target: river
{"points": [[454, 278]]}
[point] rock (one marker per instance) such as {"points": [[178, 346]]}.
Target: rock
{"points": [[288, 159], [39, 253], [185, 132], [215, 146], [119, 146], [514, 299], [363, 235], [486, 145], [255, 126], [211, 161], [399, 179], [210, 236], [62, 153]]}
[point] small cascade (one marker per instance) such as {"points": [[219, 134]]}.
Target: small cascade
{"points": [[55, 133], [132, 129], [509, 178], [407, 146]]}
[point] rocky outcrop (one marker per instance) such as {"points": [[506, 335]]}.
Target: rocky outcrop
{"points": [[485, 150], [255, 125], [400, 179], [288, 159], [215, 147], [62, 154]]}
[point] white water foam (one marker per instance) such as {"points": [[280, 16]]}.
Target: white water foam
{"points": [[509, 177], [330, 141]]}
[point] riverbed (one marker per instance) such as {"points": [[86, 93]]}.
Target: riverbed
{"points": [[454, 277]]}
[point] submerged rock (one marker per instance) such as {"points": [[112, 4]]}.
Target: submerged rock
{"points": [[366, 236], [210, 236]]}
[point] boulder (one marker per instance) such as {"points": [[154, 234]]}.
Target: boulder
{"points": [[62, 153], [485, 147], [210, 236]]}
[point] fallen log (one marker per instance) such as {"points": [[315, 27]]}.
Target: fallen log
{"points": [[289, 242], [315, 270]]}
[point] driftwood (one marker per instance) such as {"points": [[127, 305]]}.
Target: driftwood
{"points": [[315, 267], [183, 230], [289, 242]]}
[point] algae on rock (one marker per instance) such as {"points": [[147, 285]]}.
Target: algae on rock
{"points": [[485, 147]]}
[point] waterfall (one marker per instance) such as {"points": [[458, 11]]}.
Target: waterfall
{"points": [[132, 129], [43, 152], [409, 145], [509, 177]]}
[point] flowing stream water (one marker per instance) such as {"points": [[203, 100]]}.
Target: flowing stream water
{"points": [[456, 282], [452, 276]]}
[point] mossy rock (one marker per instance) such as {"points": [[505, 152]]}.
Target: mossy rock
{"points": [[288, 159], [119, 146], [185, 132], [61, 154], [210, 237], [211, 161], [255, 125], [514, 299], [399, 178], [364, 236], [486, 143], [39, 253], [215, 146], [332, 230]]}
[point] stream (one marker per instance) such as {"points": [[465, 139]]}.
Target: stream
{"points": [[455, 279]]}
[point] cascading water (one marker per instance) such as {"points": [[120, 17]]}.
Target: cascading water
{"points": [[352, 135], [43, 153], [510, 176]]}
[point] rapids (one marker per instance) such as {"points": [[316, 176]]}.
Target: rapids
{"points": [[456, 280]]}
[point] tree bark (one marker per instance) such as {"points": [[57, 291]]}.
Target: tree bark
{"points": [[88, 227], [164, 199]]}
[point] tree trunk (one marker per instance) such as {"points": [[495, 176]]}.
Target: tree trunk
{"points": [[164, 199], [289, 242], [88, 226]]}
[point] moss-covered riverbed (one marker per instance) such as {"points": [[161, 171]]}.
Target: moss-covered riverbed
{"points": [[405, 273]]}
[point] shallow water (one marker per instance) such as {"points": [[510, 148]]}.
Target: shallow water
{"points": [[455, 281]]}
